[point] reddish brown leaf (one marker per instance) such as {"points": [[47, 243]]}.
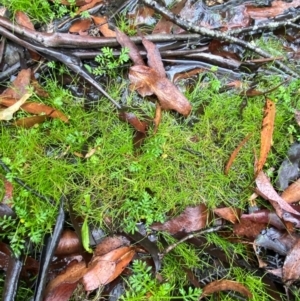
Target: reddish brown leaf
{"points": [[36, 108], [109, 244], [147, 81], [140, 126], [80, 26], [88, 5], [134, 52], [266, 190], [265, 217], [234, 154], [19, 85], [191, 219], [22, 19], [104, 269], [225, 285], [266, 134], [228, 213], [29, 122], [62, 287], [292, 193], [103, 27], [248, 228], [68, 244], [154, 58], [291, 266]]}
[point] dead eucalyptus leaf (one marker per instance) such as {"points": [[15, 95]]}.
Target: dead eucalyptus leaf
{"points": [[7, 114], [292, 193], [266, 134], [225, 285], [266, 190], [291, 266]]}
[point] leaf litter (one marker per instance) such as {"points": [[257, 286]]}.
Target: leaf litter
{"points": [[112, 255]]}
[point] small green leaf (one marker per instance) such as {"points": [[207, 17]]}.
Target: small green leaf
{"points": [[85, 236]]}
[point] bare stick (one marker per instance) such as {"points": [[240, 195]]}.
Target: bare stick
{"points": [[214, 34], [175, 244]]}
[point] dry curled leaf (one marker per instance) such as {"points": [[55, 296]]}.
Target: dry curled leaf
{"points": [[228, 213], [147, 81], [266, 134], [225, 285]]}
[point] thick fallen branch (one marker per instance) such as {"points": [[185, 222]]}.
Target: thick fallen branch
{"points": [[67, 40], [214, 34]]}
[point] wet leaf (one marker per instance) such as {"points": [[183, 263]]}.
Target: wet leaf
{"points": [[68, 243], [248, 228], [291, 266], [8, 192], [19, 85], [140, 126], [228, 213], [62, 286], [36, 108], [266, 134], [7, 114], [266, 190], [38, 89], [154, 58], [87, 5], [292, 193], [191, 219], [103, 27], [265, 217], [104, 269], [225, 285], [109, 244], [29, 122], [134, 52], [235, 153], [80, 26], [147, 81]]}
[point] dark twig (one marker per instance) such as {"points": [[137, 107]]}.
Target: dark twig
{"points": [[214, 34], [190, 236], [270, 25], [25, 186]]}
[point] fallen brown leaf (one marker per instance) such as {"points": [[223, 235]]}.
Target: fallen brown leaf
{"points": [[191, 219], [225, 285], [80, 26], [147, 81], [266, 190], [248, 228], [103, 27], [157, 117], [7, 114], [292, 193], [228, 213], [291, 266], [134, 52], [235, 153], [104, 269], [266, 134], [19, 85], [68, 243], [29, 122], [36, 108], [62, 286]]}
